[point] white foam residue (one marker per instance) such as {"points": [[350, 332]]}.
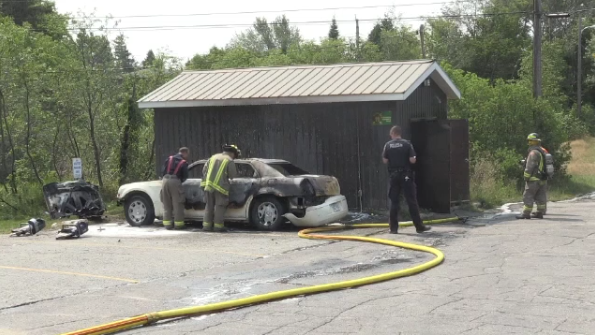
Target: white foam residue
{"points": [[125, 230]]}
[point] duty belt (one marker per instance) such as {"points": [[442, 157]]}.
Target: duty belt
{"points": [[399, 172]]}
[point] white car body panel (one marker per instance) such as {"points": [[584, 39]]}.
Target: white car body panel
{"points": [[333, 209], [153, 190]]}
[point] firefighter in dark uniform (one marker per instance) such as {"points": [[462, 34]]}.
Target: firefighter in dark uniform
{"points": [[175, 172], [399, 155], [217, 175]]}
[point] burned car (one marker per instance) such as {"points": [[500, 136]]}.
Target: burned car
{"points": [[77, 198], [266, 194]]}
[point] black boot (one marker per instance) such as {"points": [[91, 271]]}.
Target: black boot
{"points": [[524, 217], [423, 229], [537, 215]]}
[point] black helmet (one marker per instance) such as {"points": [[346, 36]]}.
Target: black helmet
{"points": [[232, 148]]}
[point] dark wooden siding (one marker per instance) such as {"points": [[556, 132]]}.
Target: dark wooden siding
{"points": [[321, 138]]}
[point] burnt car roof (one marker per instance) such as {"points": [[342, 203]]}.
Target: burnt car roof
{"points": [[247, 160]]}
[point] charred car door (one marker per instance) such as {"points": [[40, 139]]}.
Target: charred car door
{"points": [[194, 193], [244, 185]]}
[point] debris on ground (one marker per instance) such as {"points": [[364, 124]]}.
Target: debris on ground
{"points": [[30, 228], [72, 229], [77, 198]]}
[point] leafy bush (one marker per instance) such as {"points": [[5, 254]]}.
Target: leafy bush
{"points": [[500, 118]]}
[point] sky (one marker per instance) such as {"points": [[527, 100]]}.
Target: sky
{"points": [[162, 27]]}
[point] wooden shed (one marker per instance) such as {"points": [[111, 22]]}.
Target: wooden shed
{"points": [[327, 119]]}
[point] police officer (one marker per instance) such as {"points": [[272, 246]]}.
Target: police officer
{"points": [[217, 174], [174, 172], [399, 155]]}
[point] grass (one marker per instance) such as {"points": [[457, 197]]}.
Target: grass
{"points": [[7, 225], [581, 170], [487, 189], [583, 159], [489, 192]]}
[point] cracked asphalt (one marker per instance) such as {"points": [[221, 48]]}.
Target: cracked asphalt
{"points": [[500, 276]]}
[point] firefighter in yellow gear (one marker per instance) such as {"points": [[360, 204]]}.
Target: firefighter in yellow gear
{"points": [[217, 175], [535, 180]]}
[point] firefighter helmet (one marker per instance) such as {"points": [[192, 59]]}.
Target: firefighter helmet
{"points": [[533, 137], [233, 149]]}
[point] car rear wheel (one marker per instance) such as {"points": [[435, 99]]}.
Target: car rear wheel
{"points": [[139, 210], [267, 214]]}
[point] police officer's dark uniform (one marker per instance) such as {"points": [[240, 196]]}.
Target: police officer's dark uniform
{"points": [[398, 152], [175, 172]]}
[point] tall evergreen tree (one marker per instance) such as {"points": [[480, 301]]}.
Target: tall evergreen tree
{"points": [[334, 31], [149, 59], [123, 57], [386, 24]]}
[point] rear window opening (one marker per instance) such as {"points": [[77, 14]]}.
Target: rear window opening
{"points": [[287, 169]]}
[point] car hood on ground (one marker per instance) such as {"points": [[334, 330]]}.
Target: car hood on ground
{"points": [[73, 198]]}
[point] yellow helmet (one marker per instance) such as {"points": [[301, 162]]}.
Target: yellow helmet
{"points": [[533, 137]]}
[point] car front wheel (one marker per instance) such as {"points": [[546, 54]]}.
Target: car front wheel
{"points": [[267, 214], [139, 210]]}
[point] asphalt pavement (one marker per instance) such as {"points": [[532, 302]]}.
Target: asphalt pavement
{"points": [[500, 276]]}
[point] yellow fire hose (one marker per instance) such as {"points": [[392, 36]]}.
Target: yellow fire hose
{"points": [[145, 319]]}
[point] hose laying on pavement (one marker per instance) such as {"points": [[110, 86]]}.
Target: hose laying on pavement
{"points": [[129, 323]]}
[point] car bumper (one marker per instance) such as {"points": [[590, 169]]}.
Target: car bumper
{"points": [[333, 209]]}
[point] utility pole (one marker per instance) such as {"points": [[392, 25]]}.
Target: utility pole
{"points": [[357, 38], [579, 71], [422, 35], [537, 49]]}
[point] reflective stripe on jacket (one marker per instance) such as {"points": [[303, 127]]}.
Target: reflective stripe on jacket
{"points": [[217, 172], [175, 165]]}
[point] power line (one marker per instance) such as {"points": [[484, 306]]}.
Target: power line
{"points": [[248, 25], [284, 10]]}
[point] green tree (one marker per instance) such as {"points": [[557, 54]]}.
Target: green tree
{"points": [[264, 37], [149, 59], [385, 24], [253, 41], [40, 14], [285, 35], [124, 59], [208, 61], [266, 33], [401, 43], [334, 30], [507, 108], [491, 46]]}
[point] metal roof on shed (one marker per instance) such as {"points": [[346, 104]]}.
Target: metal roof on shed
{"points": [[299, 84]]}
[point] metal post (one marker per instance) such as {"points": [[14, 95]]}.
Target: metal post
{"points": [[357, 50], [422, 35], [579, 71], [537, 49]]}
